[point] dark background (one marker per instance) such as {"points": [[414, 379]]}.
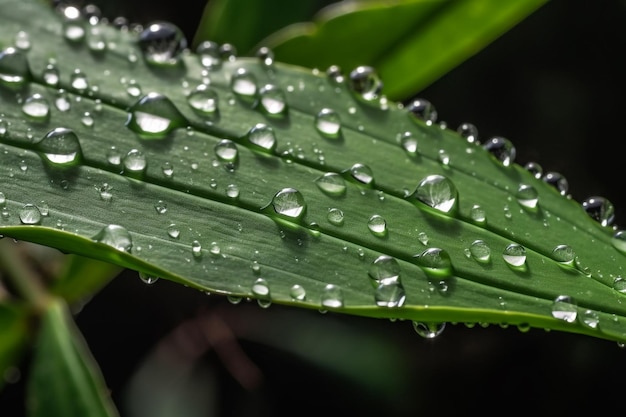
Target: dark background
{"points": [[553, 85]]}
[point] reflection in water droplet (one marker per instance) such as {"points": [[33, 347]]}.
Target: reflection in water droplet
{"points": [[600, 209], [196, 249], [154, 116], [390, 295], [60, 146], [30, 214], [331, 184], [62, 101], [297, 292], [535, 169], [564, 308], [115, 236], [244, 85], [619, 285], [261, 290], [135, 161], [204, 100], [226, 150], [469, 132], [335, 216], [209, 54], [438, 192], [564, 254], [435, 262], [328, 123], [480, 251], [527, 196], [365, 83], [558, 181], [423, 238], [50, 75], [173, 231], [384, 270], [362, 174], [408, 143], [272, 100], [289, 202], [14, 69], [502, 149], [148, 279], [590, 318], [37, 107], [428, 330], [262, 137], [162, 44], [332, 297], [424, 110], [619, 240], [478, 214], [232, 191], [377, 225], [514, 255]]}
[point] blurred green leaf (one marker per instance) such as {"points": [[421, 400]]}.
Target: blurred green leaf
{"points": [[65, 381], [410, 43], [14, 330]]}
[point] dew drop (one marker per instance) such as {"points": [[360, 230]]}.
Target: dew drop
{"points": [[377, 225], [196, 249], [438, 192], [204, 100], [168, 169], [162, 43], [154, 116], [78, 81], [423, 110], [428, 330], [564, 308], [590, 319], [50, 75], [600, 209], [135, 161], [435, 262], [147, 278], [62, 101], [384, 270], [87, 119], [261, 290], [527, 196], [36, 107], [232, 191], [362, 174], [502, 149], [115, 236], [289, 202], [3, 200], [228, 52], [328, 123], [478, 214], [535, 169], [22, 40], [209, 54], [423, 238], [272, 100], [469, 132], [30, 214], [161, 207], [297, 292], [619, 240], [226, 150], [73, 24], [133, 88], [263, 138], [60, 146], [114, 156], [14, 69], [558, 181], [332, 297], [173, 231], [96, 42], [390, 295], [244, 85], [408, 143], [514, 255], [105, 192], [331, 184], [480, 251], [335, 74], [335, 216], [365, 83], [564, 254], [265, 55]]}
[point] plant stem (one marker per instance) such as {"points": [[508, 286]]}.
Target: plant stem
{"points": [[23, 279]]}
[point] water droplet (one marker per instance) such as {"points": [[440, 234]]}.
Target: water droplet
{"points": [[204, 100], [244, 85], [424, 110], [3, 200], [272, 100], [114, 156], [297, 292], [332, 297], [365, 82], [408, 143], [428, 330], [78, 81], [438, 192], [173, 231], [196, 249], [377, 225], [135, 161], [209, 55], [328, 123], [289, 202], [435, 262], [162, 44], [444, 157], [600, 209], [87, 119], [22, 40], [335, 216], [564, 308], [154, 116], [564, 254], [265, 55], [168, 169], [226, 151], [30, 214], [262, 137], [105, 191], [535, 169], [60, 146], [480, 251], [556, 180], [96, 42], [331, 184], [478, 214], [527, 196], [390, 295], [384, 270], [232, 191], [590, 318], [115, 236], [14, 69], [73, 24], [469, 132], [514, 255], [423, 238], [619, 240], [37, 107], [362, 174], [62, 101], [148, 279], [335, 74], [50, 75], [92, 14], [502, 149], [261, 290], [161, 207]]}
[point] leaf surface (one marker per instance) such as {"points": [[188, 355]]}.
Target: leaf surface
{"points": [[185, 223]]}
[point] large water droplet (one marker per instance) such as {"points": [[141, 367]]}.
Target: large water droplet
{"points": [[362, 174], [30, 214], [262, 137], [272, 101], [502, 149], [377, 225], [203, 99], [331, 184], [14, 69], [209, 54], [365, 82], [162, 44], [590, 318], [556, 180], [115, 236], [226, 151], [244, 85], [335, 216], [289, 202], [564, 308], [428, 330], [438, 192], [36, 107], [435, 262], [328, 123], [332, 297], [390, 295], [423, 110], [600, 209], [478, 214], [480, 251], [564, 254], [527, 196], [384, 270], [514, 255], [60, 146], [135, 161], [154, 116]]}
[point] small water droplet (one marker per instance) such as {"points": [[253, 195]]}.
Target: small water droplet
{"points": [[469, 132], [96, 42], [154, 116], [50, 75], [328, 123], [168, 169], [161, 207], [232, 191], [244, 85], [444, 157], [114, 156], [215, 250], [535, 169], [297, 292], [619, 240], [30, 214], [265, 55], [362, 174], [564, 254], [600, 209], [272, 100], [173, 231], [22, 40], [115, 236], [87, 119], [135, 161], [423, 109], [384, 270], [619, 285], [590, 318], [478, 214], [209, 54], [335, 74], [564, 308], [204, 100], [514, 255], [438, 192], [423, 238], [37, 107], [226, 151], [62, 101], [558, 181], [262, 137], [332, 297], [78, 81], [196, 249], [390, 295], [435, 262], [73, 24], [527, 196], [14, 69], [289, 202], [3, 200], [261, 290], [331, 184], [365, 82], [147, 278], [428, 330], [335, 216], [60, 146], [162, 43], [377, 225], [409, 143], [105, 192], [502, 149]]}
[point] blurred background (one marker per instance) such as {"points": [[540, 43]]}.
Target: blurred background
{"points": [[554, 85]]}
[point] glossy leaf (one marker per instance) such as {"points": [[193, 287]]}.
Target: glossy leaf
{"points": [[257, 225]]}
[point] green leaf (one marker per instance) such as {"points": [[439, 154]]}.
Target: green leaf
{"points": [[65, 380], [233, 244], [410, 43], [14, 327]]}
